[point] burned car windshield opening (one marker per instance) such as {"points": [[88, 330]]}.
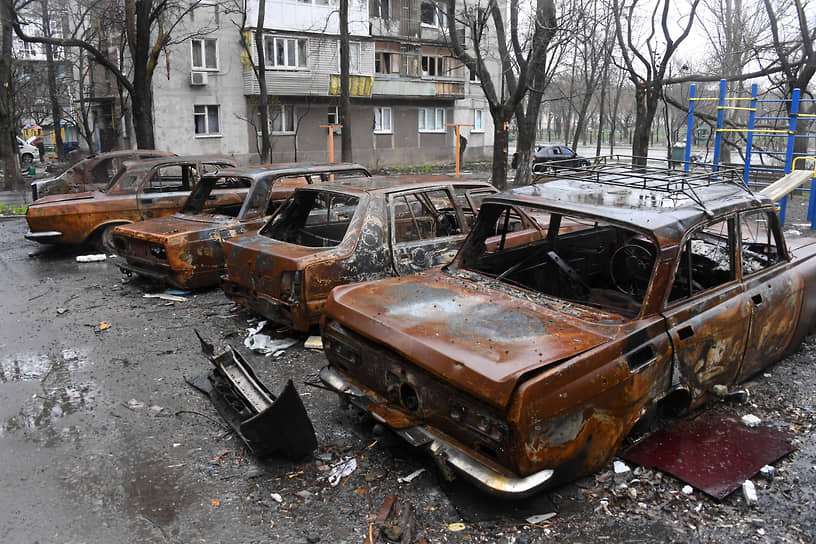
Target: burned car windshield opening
{"points": [[313, 219], [573, 258]]}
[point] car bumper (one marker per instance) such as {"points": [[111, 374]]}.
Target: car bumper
{"points": [[464, 463], [146, 271], [290, 315], [44, 237]]}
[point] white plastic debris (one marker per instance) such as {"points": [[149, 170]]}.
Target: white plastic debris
{"points": [[341, 470], [134, 404], [68, 355], [411, 477], [767, 472], [165, 296], [750, 420], [749, 492], [263, 343], [540, 518], [304, 494], [620, 467], [688, 490], [276, 497], [91, 258]]}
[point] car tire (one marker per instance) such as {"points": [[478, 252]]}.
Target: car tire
{"points": [[103, 239], [26, 158]]}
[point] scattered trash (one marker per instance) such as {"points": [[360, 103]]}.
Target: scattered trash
{"points": [[134, 404], [215, 502], [620, 467], [313, 342], [156, 409], [304, 494], [61, 311], [767, 472], [102, 326], [749, 492], [541, 518], [268, 424], [165, 296], [411, 477], [688, 490], [340, 470], [91, 258], [276, 497], [263, 343], [68, 355], [750, 420], [456, 527]]}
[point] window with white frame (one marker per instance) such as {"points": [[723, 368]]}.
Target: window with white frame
{"points": [[205, 54], [206, 120], [382, 119], [286, 52], [282, 119], [477, 121], [386, 62], [354, 57], [434, 13], [431, 119], [433, 66], [334, 115]]}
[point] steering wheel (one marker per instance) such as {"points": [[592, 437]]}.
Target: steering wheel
{"points": [[631, 267]]}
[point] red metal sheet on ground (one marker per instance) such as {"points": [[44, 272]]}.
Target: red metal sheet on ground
{"points": [[713, 452]]}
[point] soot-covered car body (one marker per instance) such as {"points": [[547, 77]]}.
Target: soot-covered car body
{"points": [[140, 190], [330, 234], [523, 366], [184, 249]]}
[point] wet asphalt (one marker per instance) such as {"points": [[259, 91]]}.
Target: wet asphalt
{"points": [[102, 440]]}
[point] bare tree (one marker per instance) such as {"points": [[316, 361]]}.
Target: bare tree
{"points": [[345, 101], [8, 145], [520, 61], [149, 27], [260, 74], [646, 60], [56, 110]]}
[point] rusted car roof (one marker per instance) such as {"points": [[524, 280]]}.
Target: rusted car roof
{"points": [[387, 184]]}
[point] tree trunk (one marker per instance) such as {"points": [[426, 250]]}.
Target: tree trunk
{"points": [[8, 145], [56, 111], [501, 132], [646, 104], [263, 101], [345, 101], [142, 96]]}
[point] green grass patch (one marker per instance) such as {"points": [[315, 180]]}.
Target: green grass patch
{"points": [[13, 209]]}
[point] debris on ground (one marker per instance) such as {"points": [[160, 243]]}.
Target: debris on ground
{"points": [[264, 344], [313, 342], [340, 470], [102, 326], [540, 518], [749, 492], [410, 477], [750, 420], [165, 296], [99, 257]]}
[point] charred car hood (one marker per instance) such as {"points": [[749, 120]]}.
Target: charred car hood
{"points": [[162, 229], [482, 340]]}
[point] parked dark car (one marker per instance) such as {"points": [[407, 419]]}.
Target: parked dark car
{"points": [[140, 190], [550, 157], [184, 249], [330, 234], [92, 172], [524, 366]]}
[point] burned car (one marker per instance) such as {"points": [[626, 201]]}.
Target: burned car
{"points": [[184, 249], [140, 190], [523, 366], [330, 234], [90, 173]]}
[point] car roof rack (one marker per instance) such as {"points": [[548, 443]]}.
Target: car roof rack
{"points": [[655, 175]]}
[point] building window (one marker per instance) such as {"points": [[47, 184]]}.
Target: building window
{"points": [[386, 62], [206, 121], [382, 119], [433, 66], [205, 54], [431, 119], [434, 14], [477, 121], [410, 61], [282, 52], [354, 57], [282, 119], [379, 8], [334, 115], [474, 77]]}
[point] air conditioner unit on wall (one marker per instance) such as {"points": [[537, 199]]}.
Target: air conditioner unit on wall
{"points": [[198, 78]]}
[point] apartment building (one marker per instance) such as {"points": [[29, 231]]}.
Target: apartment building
{"points": [[406, 87]]}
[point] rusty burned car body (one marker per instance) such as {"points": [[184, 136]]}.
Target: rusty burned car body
{"points": [[93, 172], [140, 190], [525, 365], [184, 249], [331, 234]]}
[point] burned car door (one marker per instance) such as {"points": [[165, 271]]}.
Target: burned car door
{"points": [[774, 291], [426, 229], [165, 189], [708, 313]]}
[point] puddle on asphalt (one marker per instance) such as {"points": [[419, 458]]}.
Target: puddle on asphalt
{"points": [[154, 492], [34, 366]]}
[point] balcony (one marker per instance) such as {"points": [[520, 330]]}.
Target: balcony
{"points": [[358, 85], [408, 87]]}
